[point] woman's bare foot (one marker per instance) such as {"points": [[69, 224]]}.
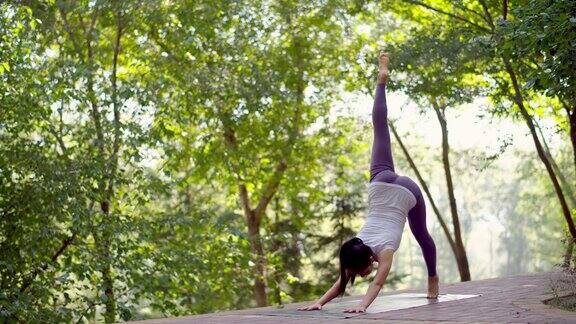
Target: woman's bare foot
{"points": [[383, 67], [433, 287]]}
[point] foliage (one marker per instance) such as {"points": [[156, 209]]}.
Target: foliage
{"points": [[545, 31]]}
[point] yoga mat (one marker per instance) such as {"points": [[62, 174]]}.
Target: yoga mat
{"points": [[379, 305]]}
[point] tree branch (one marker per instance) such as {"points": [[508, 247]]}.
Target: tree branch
{"points": [[271, 188], [488, 17], [59, 141], [91, 97], [457, 17], [60, 133], [95, 113], [93, 20], [466, 9], [282, 165], [65, 244], [117, 124], [71, 33], [244, 199]]}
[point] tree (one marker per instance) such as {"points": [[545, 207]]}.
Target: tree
{"points": [[481, 21], [438, 72], [541, 35], [254, 93], [86, 127]]}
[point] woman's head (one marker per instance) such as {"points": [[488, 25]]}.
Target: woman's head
{"points": [[355, 259]]}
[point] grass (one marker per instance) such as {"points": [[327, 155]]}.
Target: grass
{"points": [[566, 302], [563, 286]]}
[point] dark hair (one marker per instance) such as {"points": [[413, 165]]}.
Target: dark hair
{"points": [[354, 255]]}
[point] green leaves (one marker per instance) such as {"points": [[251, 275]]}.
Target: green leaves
{"points": [[4, 67], [541, 30]]}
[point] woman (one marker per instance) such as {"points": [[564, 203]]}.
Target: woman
{"points": [[391, 199]]}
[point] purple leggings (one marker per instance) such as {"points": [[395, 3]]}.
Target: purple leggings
{"points": [[382, 169]]}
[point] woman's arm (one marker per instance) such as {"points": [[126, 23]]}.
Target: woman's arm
{"points": [[384, 265], [331, 293], [328, 296]]}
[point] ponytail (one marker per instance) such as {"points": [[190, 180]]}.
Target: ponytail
{"points": [[344, 279]]}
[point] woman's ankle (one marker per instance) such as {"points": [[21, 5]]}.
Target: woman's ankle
{"points": [[382, 79]]}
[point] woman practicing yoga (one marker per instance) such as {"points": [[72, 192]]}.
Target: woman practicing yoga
{"points": [[391, 199]]}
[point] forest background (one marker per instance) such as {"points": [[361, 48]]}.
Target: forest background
{"points": [[162, 158]]}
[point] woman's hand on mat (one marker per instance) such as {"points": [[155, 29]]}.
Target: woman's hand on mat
{"points": [[356, 309], [315, 306]]}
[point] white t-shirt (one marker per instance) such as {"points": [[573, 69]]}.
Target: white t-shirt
{"points": [[388, 207]]}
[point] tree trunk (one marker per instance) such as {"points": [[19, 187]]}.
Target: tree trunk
{"points": [[109, 167], [108, 285], [565, 185], [258, 250], [572, 119], [107, 279], [520, 103], [461, 258], [254, 215], [568, 253]]}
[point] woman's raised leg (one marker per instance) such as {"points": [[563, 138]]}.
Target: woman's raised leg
{"points": [[381, 148]]}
